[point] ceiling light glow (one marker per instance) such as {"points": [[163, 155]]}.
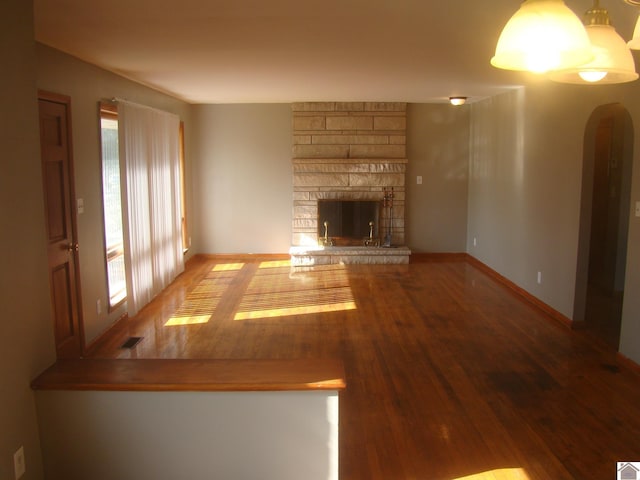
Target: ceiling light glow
{"points": [[613, 61], [543, 35]]}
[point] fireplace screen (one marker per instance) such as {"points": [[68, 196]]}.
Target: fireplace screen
{"points": [[348, 220]]}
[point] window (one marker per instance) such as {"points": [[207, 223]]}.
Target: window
{"points": [[183, 205], [143, 256], [112, 208]]}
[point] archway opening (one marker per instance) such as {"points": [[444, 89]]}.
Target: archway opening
{"points": [[604, 223]]}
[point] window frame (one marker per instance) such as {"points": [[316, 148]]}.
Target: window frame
{"points": [[111, 252], [186, 244]]}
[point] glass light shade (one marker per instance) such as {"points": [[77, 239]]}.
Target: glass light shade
{"points": [[542, 35], [457, 101], [634, 43], [612, 57], [592, 76]]}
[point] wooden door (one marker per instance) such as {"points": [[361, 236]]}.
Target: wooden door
{"points": [[60, 217]]}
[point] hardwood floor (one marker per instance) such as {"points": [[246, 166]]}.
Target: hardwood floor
{"points": [[449, 374]]}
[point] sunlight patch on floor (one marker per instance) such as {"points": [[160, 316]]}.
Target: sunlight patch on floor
{"points": [[499, 474], [225, 267], [273, 292], [197, 307], [302, 310], [275, 264], [200, 304], [194, 320]]}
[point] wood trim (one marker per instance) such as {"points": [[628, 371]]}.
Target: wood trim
{"points": [[98, 342], [174, 375], [54, 97], [424, 257], [536, 302], [245, 257], [628, 363], [108, 109]]}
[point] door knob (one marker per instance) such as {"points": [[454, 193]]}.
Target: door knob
{"points": [[73, 247]]}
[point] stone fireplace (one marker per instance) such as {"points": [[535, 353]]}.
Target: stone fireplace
{"points": [[349, 151]]}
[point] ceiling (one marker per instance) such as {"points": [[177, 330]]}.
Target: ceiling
{"points": [[272, 51]]}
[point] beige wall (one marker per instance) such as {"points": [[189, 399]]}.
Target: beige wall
{"points": [[438, 151], [525, 189], [87, 85], [524, 194], [26, 334], [242, 180], [189, 435]]}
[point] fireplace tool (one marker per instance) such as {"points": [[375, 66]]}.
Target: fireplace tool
{"points": [[388, 205], [370, 241], [326, 241]]}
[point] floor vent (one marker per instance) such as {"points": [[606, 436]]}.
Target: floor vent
{"points": [[131, 342]]}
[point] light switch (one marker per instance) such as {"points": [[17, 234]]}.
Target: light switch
{"points": [[637, 209], [80, 205], [419, 179]]}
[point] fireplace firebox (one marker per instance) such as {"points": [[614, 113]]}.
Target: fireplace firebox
{"points": [[348, 222]]}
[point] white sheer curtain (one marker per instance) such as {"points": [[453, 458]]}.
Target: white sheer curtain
{"points": [[150, 184]]}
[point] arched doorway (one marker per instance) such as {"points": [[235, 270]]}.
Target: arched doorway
{"points": [[604, 222]]}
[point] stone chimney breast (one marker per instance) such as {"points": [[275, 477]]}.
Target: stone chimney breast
{"points": [[350, 151]]}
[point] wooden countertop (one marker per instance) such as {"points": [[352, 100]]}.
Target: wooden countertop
{"points": [[192, 375]]}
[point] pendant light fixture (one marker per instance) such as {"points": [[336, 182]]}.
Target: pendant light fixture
{"points": [[634, 43], [613, 62], [543, 35]]}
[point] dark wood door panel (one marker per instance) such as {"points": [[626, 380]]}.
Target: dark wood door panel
{"points": [[61, 282], [56, 221], [59, 197]]}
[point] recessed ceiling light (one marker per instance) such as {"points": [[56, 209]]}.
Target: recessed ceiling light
{"points": [[457, 100]]}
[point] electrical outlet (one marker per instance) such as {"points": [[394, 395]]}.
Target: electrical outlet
{"points": [[539, 278], [19, 465], [475, 242], [98, 307]]}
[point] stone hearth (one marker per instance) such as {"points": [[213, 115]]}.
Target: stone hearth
{"points": [[348, 151], [310, 256]]}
